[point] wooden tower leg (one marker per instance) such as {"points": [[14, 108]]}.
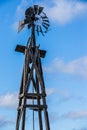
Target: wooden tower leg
{"points": [[38, 102], [43, 91], [19, 114], [24, 115]]}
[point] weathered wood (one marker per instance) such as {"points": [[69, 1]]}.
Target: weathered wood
{"points": [[38, 102], [32, 106], [18, 119], [21, 95], [34, 95], [23, 115], [41, 107], [20, 102], [20, 48], [44, 100]]}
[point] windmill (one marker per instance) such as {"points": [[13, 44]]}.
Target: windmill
{"points": [[33, 99]]}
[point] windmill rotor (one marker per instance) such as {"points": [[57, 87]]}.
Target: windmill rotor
{"points": [[35, 16]]}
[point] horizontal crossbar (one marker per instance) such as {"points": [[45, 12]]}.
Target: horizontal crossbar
{"points": [[33, 107], [32, 95], [21, 48]]}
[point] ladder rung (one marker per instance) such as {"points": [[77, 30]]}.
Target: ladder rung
{"points": [[32, 95], [36, 107], [33, 107]]}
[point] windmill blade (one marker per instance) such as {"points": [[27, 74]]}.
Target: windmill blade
{"points": [[41, 31], [44, 17], [29, 12], [21, 25], [45, 31], [44, 25], [40, 10], [47, 24], [46, 20], [44, 13], [36, 9]]}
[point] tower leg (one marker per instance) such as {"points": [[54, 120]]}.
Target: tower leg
{"points": [[18, 118], [44, 100], [20, 103], [38, 102], [24, 115]]}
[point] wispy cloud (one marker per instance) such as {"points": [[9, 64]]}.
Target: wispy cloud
{"points": [[75, 67], [20, 12], [21, 8], [53, 116], [75, 115], [15, 26], [63, 11], [58, 96], [64, 93], [8, 100], [80, 128], [50, 91], [4, 122]]}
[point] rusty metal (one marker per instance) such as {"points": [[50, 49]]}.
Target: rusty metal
{"points": [[32, 71]]}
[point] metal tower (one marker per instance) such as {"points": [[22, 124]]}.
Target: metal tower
{"points": [[33, 97]]}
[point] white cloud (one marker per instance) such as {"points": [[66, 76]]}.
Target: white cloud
{"points": [[8, 100], [75, 67], [64, 93], [4, 122], [20, 12], [21, 8], [50, 91], [64, 11], [83, 129], [80, 128], [76, 115], [15, 26], [53, 116]]}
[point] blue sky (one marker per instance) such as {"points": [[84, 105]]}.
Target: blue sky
{"points": [[64, 67]]}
